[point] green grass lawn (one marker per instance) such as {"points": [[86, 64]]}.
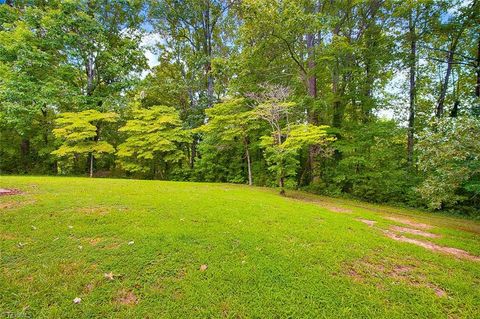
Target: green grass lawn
{"points": [[134, 249]]}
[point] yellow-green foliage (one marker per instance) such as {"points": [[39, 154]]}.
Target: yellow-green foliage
{"points": [[229, 120], [155, 135], [79, 133]]}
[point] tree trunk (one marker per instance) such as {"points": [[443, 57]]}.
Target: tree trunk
{"points": [[312, 92], [454, 111], [312, 79], [444, 86], [451, 54], [412, 90], [249, 166], [477, 88], [282, 185], [193, 153], [45, 123], [91, 164], [337, 104], [90, 72], [208, 54], [25, 151]]}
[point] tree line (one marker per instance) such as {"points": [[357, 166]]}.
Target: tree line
{"points": [[375, 99]]}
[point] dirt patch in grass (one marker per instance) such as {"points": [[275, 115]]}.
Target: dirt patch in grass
{"points": [[89, 287], [15, 204], [94, 241], [355, 275], [113, 245], [433, 247], [69, 268], [409, 222], [7, 191], [404, 271], [365, 268], [102, 242], [412, 231], [7, 236], [322, 203], [335, 209], [8, 205], [126, 297], [368, 222], [438, 291], [95, 210]]}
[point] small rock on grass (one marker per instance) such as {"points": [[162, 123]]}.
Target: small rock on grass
{"points": [[77, 300], [203, 267]]}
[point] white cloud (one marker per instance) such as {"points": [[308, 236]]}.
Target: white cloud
{"points": [[149, 44]]}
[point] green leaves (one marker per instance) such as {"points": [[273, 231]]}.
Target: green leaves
{"points": [[449, 156], [307, 134], [287, 138], [79, 133], [154, 138]]}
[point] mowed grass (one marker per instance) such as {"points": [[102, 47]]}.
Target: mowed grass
{"points": [[134, 249]]}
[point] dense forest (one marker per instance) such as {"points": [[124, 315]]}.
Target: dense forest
{"points": [[375, 99]]}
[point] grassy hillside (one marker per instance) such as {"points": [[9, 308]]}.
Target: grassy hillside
{"points": [[130, 248]]}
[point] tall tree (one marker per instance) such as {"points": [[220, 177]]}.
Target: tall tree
{"points": [[195, 34], [288, 133], [232, 121], [455, 28], [80, 135], [154, 141]]}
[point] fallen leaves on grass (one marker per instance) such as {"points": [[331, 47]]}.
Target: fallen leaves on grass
{"points": [[109, 276], [203, 267]]}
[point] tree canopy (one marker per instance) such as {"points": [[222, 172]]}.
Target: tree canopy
{"points": [[378, 100]]}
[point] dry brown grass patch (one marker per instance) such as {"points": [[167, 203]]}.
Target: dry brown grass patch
{"points": [[403, 271], [95, 210], [329, 205], [7, 236], [126, 297]]}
